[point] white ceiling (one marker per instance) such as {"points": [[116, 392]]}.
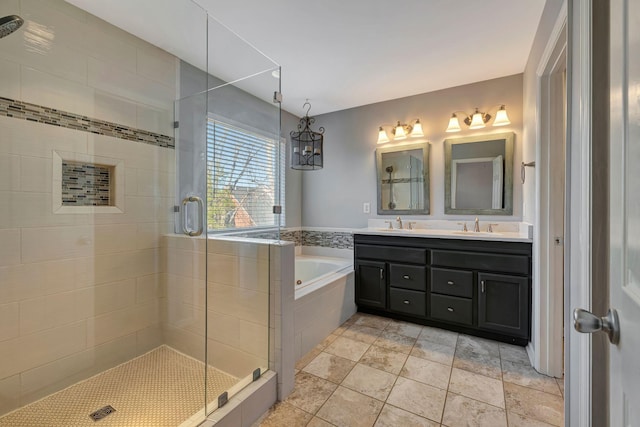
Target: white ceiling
{"points": [[346, 53]]}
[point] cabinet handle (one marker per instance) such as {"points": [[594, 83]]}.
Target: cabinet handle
{"points": [[406, 276], [482, 286], [450, 309], [381, 274], [451, 282], [407, 301]]}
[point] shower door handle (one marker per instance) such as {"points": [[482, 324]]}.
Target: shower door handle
{"points": [[185, 228]]}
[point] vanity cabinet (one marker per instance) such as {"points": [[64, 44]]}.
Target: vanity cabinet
{"points": [[476, 287], [394, 274], [371, 288], [501, 304]]}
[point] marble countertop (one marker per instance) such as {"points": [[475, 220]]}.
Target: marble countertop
{"points": [[506, 232]]}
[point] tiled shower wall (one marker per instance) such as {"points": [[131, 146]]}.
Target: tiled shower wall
{"points": [[249, 294], [79, 292]]}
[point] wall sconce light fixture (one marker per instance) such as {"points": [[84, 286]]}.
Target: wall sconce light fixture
{"points": [[401, 131], [478, 119], [306, 145]]}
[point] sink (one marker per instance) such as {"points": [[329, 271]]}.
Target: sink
{"points": [[476, 233]]}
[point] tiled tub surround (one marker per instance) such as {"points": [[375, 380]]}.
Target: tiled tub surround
{"points": [[321, 311], [374, 371], [79, 293]]}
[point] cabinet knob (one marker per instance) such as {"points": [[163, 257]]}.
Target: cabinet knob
{"points": [[450, 309], [451, 282], [407, 301], [406, 276]]}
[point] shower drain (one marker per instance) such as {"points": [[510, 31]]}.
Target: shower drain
{"points": [[102, 412]]}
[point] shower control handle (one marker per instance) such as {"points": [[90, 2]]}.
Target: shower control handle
{"points": [[186, 230]]}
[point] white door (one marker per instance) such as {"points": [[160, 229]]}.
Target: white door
{"points": [[624, 212], [624, 371]]}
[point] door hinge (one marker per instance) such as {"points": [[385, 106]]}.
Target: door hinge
{"points": [[277, 97], [176, 208], [176, 125]]}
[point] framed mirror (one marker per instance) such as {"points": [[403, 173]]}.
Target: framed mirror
{"points": [[479, 175], [403, 179]]}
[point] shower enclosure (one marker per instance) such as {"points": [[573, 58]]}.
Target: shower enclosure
{"points": [[137, 219]]}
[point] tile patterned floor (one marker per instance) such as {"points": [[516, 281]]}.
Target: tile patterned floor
{"points": [[374, 371], [160, 388]]}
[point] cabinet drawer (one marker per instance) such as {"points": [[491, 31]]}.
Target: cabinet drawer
{"points": [[452, 309], [409, 302], [408, 277], [452, 282], [392, 254], [517, 264]]}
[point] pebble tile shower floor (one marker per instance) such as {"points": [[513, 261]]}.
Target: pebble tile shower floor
{"points": [[373, 371], [160, 388]]}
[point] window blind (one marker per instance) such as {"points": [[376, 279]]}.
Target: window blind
{"points": [[245, 178]]}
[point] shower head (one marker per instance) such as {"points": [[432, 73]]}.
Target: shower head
{"points": [[9, 24]]}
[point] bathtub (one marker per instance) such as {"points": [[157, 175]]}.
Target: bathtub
{"points": [[314, 272], [324, 299]]}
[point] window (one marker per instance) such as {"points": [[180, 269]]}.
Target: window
{"points": [[245, 173]]}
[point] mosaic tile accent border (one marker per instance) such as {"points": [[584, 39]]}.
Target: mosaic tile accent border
{"points": [[85, 184], [326, 239], [51, 116], [292, 236]]}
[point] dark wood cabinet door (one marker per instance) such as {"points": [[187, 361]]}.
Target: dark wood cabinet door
{"points": [[504, 304], [371, 289]]}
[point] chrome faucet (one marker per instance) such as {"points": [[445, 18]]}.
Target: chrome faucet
{"points": [[399, 223], [476, 228]]}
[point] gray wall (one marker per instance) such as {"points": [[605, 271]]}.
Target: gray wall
{"points": [[333, 196], [530, 96], [231, 103]]}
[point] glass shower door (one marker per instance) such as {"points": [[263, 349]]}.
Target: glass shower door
{"points": [[245, 173]]}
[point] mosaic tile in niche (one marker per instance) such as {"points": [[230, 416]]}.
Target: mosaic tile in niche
{"points": [[86, 184]]}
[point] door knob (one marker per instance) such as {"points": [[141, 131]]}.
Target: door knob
{"points": [[587, 323]]}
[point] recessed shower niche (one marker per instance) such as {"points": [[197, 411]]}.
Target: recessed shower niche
{"points": [[83, 183], [86, 184]]}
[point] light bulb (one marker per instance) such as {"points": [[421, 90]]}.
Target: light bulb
{"points": [[454, 124], [417, 129], [501, 118], [400, 133], [382, 136], [476, 121]]}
